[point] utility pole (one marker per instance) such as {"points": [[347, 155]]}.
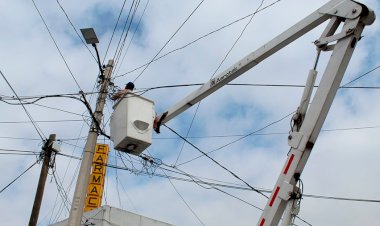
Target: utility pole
{"points": [[47, 152], [77, 205]]}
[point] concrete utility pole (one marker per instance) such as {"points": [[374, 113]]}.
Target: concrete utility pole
{"points": [[79, 198], [47, 151]]}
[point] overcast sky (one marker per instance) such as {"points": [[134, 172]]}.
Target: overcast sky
{"points": [[38, 62]]}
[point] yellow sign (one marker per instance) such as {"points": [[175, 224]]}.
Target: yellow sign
{"points": [[96, 185]]}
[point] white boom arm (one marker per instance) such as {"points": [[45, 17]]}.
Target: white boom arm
{"points": [[355, 17], [335, 8]]}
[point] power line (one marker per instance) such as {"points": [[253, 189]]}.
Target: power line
{"points": [[61, 110], [144, 90], [205, 154], [342, 198], [265, 134], [72, 25], [20, 138], [15, 150], [243, 137], [56, 45], [147, 65], [62, 193], [60, 209], [40, 133], [196, 40], [188, 206], [18, 177], [42, 121], [221, 63], [134, 33], [127, 32], [68, 95], [114, 29], [225, 184], [361, 76], [238, 38], [198, 181]]}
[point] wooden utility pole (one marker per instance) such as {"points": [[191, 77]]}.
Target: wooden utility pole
{"points": [[47, 152], [79, 198]]}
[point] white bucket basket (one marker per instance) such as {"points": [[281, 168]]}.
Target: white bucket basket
{"points": [[132, 124]]}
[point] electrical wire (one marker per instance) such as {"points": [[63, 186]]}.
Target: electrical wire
{"points": [[361, 76], [167, 42], [117, 182], [265, 134], [20, 138], [62, 193], [243, 137], [221, 184], [114, 29], [196, 40], [221, 63], [179, 194], [187, 133], [39, 131], [18, 177], [205, 154], [21, 151], [42, 121], [56, 45], [119, 47], [61, 208], [198, 181], [238, 38], [76, 31], [134, 33], [145, 90]]}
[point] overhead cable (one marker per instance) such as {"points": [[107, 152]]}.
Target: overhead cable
{"points": [[114, 29], [238, 38], [56, 45], [119, 48], [18, 177], [39, 131], [221, 63], [224, 184], [167, 42], [206, 154], [243, 137], [196, 40], [72, 25], [361, 76], [134, 33], [188, 206]]}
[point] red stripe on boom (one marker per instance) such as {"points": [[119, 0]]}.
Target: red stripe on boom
{"points": [[262, 222], [289, 163], [274, 196]]}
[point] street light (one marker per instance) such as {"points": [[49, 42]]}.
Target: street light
{"points": [[90, 37]]}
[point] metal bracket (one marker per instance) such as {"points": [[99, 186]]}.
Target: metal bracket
{"points": [[325, 40]]}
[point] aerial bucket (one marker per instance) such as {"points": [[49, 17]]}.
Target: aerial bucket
{"points": [[132, 124]]}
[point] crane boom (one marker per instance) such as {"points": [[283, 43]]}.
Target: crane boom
{"points": [[334, 8], [309, 118]]}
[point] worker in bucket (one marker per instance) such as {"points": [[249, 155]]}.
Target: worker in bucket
{"points": [[128, 89]]}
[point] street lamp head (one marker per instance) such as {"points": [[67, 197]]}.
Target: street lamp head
{"points": [[89, 35]]}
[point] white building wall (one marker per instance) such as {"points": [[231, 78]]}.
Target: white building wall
{"points": [[111, 216]]}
